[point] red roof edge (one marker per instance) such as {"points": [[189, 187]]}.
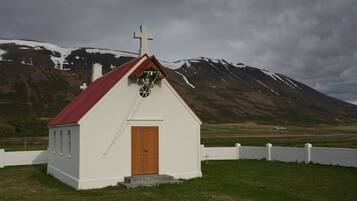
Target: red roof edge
{"points": [[82, 103]]}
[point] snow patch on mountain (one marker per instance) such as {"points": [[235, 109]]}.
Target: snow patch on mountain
{"points": [[285, 82], [187, 63], [212, 62], [266, 86], [2, 52], [225, 63], [116, 53], [58, 53], [29, 62], [186, 80], [291, 82], [240, 65], [278, 77], [173, 65]]}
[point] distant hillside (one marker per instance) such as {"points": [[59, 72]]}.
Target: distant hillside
{"points": [[37, 79]]}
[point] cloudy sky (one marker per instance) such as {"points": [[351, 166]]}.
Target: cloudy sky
{"points": [[314, 42]]}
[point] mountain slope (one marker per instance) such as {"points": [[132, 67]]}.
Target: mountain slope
{"points": [[227, 92], [37, 79]]}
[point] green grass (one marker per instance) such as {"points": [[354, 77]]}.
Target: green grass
{"points": [[251, 180], [258, 135], [22, 143]]}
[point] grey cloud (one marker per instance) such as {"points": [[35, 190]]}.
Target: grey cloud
{"points": [[311, 41]]}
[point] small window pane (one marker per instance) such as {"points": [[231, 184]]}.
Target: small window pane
{"points": [[69, 142], [61, 141], [54, 140]]}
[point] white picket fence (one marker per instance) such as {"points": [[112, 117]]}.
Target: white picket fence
{"points": [[13, 158], [321, 155]]}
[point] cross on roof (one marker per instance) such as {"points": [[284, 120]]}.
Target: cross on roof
{"points": [[83, 86], [144, 36]]}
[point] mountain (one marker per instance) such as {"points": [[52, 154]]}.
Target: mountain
{"points": [[37, 79]]}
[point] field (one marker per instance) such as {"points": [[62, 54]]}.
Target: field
{"points": [[229, 134], [251, 180], [258, 135]]}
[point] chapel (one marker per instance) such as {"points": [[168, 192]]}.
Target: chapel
{"points": [[130, 121]]}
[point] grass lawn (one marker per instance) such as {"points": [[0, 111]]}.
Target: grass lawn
{"points": [[251, 134], [247, 180]]}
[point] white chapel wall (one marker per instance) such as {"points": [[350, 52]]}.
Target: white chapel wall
{"points": [[108, 153], [63, 163]]}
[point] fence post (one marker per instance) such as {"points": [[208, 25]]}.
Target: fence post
{"points": [[202, 152], [2, 158], [268, 151], [237, 149], [308, 153]]}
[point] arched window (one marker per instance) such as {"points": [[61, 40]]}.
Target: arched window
{"points": [[61, 141], [69, 142], [54, 141]]}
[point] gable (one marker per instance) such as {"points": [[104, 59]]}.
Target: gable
{"points": [[151, 63], [81, 104]]}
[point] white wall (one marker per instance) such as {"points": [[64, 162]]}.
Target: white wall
{"points": [[105, 140], [220, 153], [22, 158], [64, 164], [288, 154], [251, 152], [334, 156]]}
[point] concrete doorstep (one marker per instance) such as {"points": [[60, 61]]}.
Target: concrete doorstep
{"points": [[148, 180]]}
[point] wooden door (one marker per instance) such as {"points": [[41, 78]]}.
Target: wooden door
{"points": [[144, 150]]}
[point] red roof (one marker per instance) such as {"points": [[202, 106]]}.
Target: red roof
{"points": [[81, 104]]}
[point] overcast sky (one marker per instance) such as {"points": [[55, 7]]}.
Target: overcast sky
{"points": [[312, 41]]}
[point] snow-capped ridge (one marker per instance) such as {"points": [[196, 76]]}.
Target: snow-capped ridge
{"points": [[59, 54], [37, 45], [116, 53]]}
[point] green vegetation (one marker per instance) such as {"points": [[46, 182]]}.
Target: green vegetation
{"points": [[258, 135], [23, 143], [29, 126], [222, 180]]}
